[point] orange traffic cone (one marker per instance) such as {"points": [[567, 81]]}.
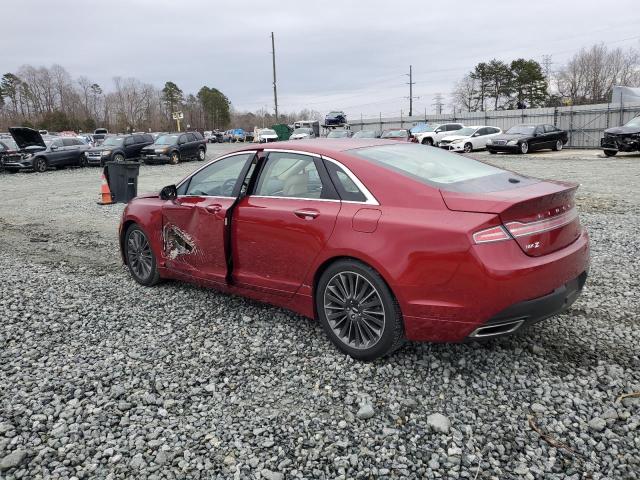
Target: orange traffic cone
{"points": [[105, 193]]}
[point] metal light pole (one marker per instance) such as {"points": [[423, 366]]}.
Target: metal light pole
{"points": [[275, 90]]}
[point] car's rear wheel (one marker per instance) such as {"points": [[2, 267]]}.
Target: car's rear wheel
{"points": [[427, 141], [140, 258], [175, 158], [610, 153], [358, 310], [468, 148], [524, 147], [40, 165], [118, 157], [201, 154], [558, 146], [82, 161]]}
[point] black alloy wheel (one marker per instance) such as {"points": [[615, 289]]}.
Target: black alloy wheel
{"points": [[40, 165], [358, 310], [140, 258]]}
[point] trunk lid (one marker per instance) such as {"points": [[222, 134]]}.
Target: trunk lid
{"points": [[27, 137], [540, 216]]}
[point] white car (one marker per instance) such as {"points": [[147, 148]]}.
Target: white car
{"points": [[302, 134], [265, 135], [468, 139], [436, 132]]}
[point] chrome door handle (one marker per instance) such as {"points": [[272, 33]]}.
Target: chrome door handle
{"points": [[307, 214]]}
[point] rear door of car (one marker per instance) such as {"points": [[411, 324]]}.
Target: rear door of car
{"points": [[129, 146], [284, 223]]}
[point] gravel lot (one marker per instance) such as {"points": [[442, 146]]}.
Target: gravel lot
{"points": [[103, 378]]}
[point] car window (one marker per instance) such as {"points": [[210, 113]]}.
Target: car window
{"points": [[183, 139], [68, 142], [190, 137], [57, 143], [138, 138], [550, 128], [289, 175], [217, 179], [347, 188], [483, 131], [128, 141], [453, 126], [539, 129]]}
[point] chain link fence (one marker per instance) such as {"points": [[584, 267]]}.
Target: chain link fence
{"points": [[585, 124]]}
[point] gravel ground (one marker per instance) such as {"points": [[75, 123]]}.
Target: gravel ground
{"points": [[103, 378]]}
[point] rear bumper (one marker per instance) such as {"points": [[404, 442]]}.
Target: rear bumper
{"points": [[523, 314]]}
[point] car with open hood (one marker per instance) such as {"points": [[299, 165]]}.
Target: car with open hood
{"points": [[528, 137], [622, 139], [265, 135], [8, 150], [468, 139], [118, 148], [380, 241], [174, 148], [39, 154]]}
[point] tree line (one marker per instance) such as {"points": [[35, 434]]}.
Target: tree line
{"points": [[51, 99], [588, 77]]}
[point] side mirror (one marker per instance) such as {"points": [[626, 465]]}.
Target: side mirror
{"points": [[437, 130], [169, 192]]}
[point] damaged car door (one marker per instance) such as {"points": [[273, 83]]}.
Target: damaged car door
{"points": [[193, 222]]}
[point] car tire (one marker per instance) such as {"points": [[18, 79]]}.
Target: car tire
{"points": [[558, 146], [610, 153], [427, 141], [202, 154], [362, 336], [524, 148], [468, 148], [118, 157], [140, 259], [174, 159], [492, 152], [82, 161], [40, 164]]}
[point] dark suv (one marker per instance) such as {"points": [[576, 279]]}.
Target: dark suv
{"points": [[118, 148], [174, 148], [39, 154]]}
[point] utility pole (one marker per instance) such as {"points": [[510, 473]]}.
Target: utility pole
{"points": [[275, 90], [438, 103], [411, 83]]}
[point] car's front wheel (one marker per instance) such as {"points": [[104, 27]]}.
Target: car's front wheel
{"points": [[118, 157], [524, 147], [558, 146], [201, 154], [175, 158], [468, 148], [140, 258], [427, 141], [82, 161], [40, 165], [610, 153], [358, 310]]}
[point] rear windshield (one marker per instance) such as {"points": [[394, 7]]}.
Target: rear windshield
{"points": [[427, 164]]}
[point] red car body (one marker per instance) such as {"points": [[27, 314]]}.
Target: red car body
{"points": [[466, 261]]}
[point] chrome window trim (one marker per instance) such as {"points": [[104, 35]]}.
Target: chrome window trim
{"points": [[233, 154], [370, 199], [297, 198]]}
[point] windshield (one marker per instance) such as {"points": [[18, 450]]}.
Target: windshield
{"points": [[338, 134], [635, 122], [465, 132], [166, 139], [394, 134], [521, 130], [365, 134], [113, 141], [302, 130], [334, 114], [428, 165]]}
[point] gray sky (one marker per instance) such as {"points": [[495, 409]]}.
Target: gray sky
{"points": [[349, 55]]}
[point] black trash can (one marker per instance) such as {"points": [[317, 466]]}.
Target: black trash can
{"points": [[122, 178]]}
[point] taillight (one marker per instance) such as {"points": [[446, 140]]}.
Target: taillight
{"points": [[493, 234], [519, 229]]}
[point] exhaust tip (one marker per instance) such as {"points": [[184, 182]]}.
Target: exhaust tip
{"points": [[494, 330]]}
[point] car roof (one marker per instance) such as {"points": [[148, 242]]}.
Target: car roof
{"points": [[322, 146]]}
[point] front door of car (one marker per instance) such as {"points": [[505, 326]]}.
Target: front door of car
{"points": [[283, 224], [479, 139], [540, 139], [193, 223], [57, 153]]}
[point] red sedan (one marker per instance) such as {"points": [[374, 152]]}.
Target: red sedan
{"points": [[381, 241]]}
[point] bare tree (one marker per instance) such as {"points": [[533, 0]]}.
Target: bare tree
{"points": [[465, 94]]}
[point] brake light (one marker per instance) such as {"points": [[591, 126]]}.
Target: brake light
{"points": [[519, 229], [493, 234]]}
